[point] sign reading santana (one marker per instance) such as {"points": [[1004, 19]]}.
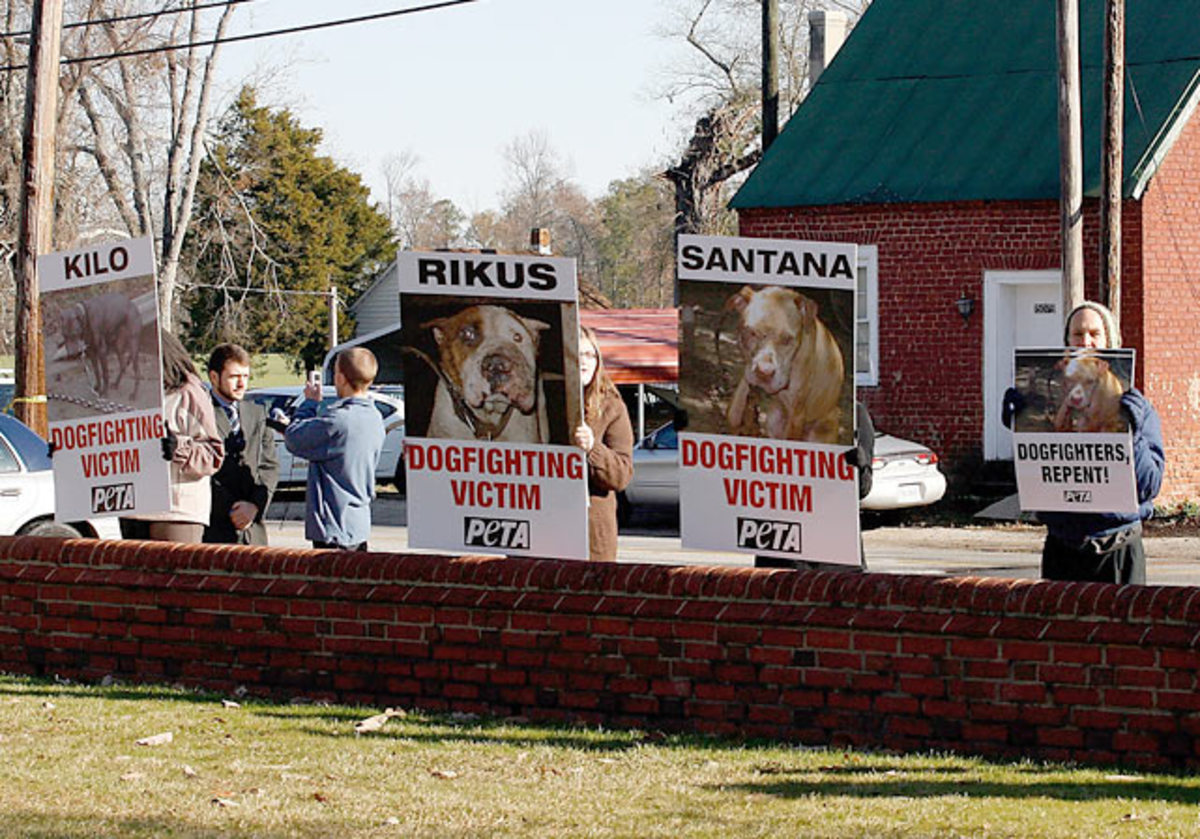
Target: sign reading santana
{"points": [[766, 378]]}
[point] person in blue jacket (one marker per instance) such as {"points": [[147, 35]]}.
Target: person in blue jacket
{"points": [[1103, 547], [342, 448]]}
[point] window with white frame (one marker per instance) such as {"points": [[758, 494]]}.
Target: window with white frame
{"points": [[866, 330]]}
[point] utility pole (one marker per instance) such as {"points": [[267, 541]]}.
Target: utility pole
{"points": [[770, 72], [34, 236], [1112, 169], [1070, 154], [333, 316]]}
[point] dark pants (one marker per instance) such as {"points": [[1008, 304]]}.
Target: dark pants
{"points": [[811, 565], [1123, 563], [361, 546]]}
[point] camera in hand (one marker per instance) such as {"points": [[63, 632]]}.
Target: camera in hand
{"points": [[278, 419]]}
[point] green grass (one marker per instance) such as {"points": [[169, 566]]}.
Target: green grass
{"points": [[272, 370], [71, 768]]}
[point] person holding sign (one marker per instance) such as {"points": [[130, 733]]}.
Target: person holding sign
{"points": [[1103, 547], [607, 437], [194, 447]]}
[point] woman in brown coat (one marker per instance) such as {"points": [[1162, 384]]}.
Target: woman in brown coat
{"points": [[607, 437]]}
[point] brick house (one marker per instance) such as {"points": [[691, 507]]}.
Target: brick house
{"points": [[931, 141]]}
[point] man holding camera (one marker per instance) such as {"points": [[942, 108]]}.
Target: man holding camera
{"points": [[342, 448], [243, 486]]}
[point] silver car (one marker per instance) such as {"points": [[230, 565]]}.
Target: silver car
{"points": [[904, 474], [294, 470]]}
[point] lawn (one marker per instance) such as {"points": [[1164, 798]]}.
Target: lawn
{"points": [[72, 767]]}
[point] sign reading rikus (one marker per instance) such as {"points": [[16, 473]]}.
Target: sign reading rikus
{"points": [[104, 380], [767, 379], [492, 395], [487, 275]]}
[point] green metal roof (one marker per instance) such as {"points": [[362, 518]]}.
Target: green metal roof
{"points": [[955, 100]]}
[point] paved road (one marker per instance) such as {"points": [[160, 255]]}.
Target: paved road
{"points": [[1005, 551]]}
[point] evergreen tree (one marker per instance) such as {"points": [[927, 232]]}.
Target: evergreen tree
{"points": [[274, 218]]}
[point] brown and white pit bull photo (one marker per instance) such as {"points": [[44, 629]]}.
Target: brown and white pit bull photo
{"points": [[100, 328], [1091, 397], [791, 385], [489, 385]]}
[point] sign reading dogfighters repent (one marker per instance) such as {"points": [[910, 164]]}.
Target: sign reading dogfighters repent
{"points": [[492, 396], [1073, 451], [766, 376], [104, 380]]}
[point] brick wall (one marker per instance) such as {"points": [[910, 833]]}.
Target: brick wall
{"points": [[931, 364], [1001, 668], [1172, 319]]}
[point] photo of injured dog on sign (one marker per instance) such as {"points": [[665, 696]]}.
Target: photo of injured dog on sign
{"points": [[1072, 447], [768, 361], [101, 345], [483, 369], [492, 389], [1073, 390]]}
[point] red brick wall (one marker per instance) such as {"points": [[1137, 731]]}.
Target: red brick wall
{"points": [[1045, 670], [1172, 320], [931, 364]]}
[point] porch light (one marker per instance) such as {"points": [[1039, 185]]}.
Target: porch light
{"points": [[965, 306]]}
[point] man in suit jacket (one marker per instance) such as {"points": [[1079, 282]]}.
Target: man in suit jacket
{"points": [[242, 488]]}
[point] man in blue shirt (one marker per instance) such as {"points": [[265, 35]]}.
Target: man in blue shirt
{"points": [[342, 448]]}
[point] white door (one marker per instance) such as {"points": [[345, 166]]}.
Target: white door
{"points": [[1020, 309]]}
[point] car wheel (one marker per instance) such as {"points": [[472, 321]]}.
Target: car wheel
{"points": [[401, 478], [48, 527], [624, 510]]}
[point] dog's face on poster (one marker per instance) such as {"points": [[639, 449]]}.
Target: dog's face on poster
{"points": [[1091, 395], [490, 353], [773, 323]]}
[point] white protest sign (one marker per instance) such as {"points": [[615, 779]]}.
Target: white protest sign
{"points": [[766, 377], [104, 380], [1072, 448], [493, 396]]}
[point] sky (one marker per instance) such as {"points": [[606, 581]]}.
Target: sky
{"points": [[454, 86]]}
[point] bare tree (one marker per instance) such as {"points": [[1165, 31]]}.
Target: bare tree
{"points": [[720, 81], [141, 118], [419, 219]]}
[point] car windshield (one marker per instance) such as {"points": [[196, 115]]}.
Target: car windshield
{"points": [[664, 438], [31, 448]]}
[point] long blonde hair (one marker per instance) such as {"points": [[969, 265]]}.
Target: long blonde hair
{"points": [[600, 385]]}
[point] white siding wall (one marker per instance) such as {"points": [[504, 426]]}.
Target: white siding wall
{"points": [[379, 307]]}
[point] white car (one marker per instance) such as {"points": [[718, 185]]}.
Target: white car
{"points": [[903, 474], [294, 470], [27, 489]]}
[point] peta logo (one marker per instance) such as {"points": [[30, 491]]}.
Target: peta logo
{"points": [[1077, 496], [496, 533], [112, 498], [764, 535]]}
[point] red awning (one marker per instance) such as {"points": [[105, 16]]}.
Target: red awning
{"points": [[640, 346]]}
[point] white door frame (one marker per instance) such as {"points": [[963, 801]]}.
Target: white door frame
{"points": [[998, 315]]}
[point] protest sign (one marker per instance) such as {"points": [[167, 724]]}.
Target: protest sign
{"points": [[104, 380], [766, 376], [492, 393], [1072, 448]]}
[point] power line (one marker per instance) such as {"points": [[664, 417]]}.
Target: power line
{"points": [[252, 36], [140, 16]]}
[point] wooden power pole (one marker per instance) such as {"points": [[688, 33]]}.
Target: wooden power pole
{"points": [[1112, 169], [36, 224], [1070, 154], [770, 72]]}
